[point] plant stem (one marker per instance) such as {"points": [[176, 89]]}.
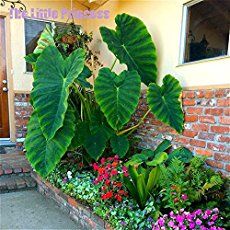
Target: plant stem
{"points": [[131, 129], [113, 64]]}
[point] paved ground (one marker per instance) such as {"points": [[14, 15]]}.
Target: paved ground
{"points": [[30, 210]]}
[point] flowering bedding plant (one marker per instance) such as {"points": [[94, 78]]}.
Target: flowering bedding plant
{"points": [[109, 177], [182, 220]]}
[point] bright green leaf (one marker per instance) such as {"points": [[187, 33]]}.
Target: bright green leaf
{"points": [[158, 159], [52, 78], [42, 154], [117, 95], [165, 104], [132, 44]]}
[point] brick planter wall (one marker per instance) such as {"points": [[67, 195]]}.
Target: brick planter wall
{"points": [[77, 212], [206, 130], [23, 110]]}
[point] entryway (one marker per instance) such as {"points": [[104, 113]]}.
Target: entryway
{"points": [[4, 111]]}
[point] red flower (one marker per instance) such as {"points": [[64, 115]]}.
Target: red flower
{"points": [[95, 166], [107, 182], [102, 160], [101, 170], [114, 172]]}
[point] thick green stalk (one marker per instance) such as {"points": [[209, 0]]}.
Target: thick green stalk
{"points": [[83, 101], [133, 128]]}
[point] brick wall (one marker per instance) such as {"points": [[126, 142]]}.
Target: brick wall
{"points": [[23, 110], [206, 129]]}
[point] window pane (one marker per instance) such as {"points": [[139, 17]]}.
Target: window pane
{"points": [[33, 29], [207, 31]]}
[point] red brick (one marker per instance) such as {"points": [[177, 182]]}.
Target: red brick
{"points": [[190, 118], [222, 138], [188, 94], [207, 119], [216, 147], [1, 172], [227, 167], [227, 112], [182, 140], [223, 102], [214, 111], [204, 152], [220, 129], [200, 94], [194, 110], [198, 143], [200, 127], [189, 133], [224, 120], [220, 93], [215, 164], [206, 136], [222, 157], [26, 169], [208, 94], [189, 102], [72, 201]]}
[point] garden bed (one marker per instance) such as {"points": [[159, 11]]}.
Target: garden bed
{"points": [[76, 210]]}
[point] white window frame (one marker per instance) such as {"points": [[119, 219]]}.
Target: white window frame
{"points": [[183, 36]]}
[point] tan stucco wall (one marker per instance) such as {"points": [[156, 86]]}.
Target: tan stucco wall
{"points": [[163, 19], [22, 81]]}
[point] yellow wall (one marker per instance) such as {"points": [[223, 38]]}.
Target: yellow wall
{"points": [[22, 81], [163, 19]]}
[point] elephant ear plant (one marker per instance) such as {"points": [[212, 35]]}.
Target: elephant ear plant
{"points": [[66, 116]]}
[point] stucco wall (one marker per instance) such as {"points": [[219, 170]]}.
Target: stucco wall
{"points": [[22, 81], [163, 19]]}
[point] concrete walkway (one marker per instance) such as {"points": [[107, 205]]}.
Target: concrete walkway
{"points": [[30, 210]]}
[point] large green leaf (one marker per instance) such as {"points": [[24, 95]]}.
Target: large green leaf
{"points": [[52, 78], [93, 142], [120, 145], [165, 102], [46, 39], [117, 95], [132, 44], [42, 154]]}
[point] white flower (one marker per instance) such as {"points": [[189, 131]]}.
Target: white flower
{"points": [[69, 175]]}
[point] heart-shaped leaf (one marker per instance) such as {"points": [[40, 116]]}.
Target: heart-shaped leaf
{"points": [[120, 145], [117, 95], [165, 102], [132, 44], [52, 78], [42, 154]]}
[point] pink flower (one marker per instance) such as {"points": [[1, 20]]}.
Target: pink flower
{"points": [[171, 224], [192, 225], [161, 221], [184, 197], [214, 217], [198, 222], [179, 219]]}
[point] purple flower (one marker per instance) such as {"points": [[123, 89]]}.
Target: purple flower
{"points": [[179, 219], [65, 179], [171, 224], [192, 225], [198, 211], [205, 216], [184, 197], [198, 221], [202, 227], [216, 210], [161, 222], [208, 212], [214, 217], [210, 223]]}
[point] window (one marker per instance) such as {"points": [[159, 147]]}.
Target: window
{"points": [[205, 30], [33, 30]]}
